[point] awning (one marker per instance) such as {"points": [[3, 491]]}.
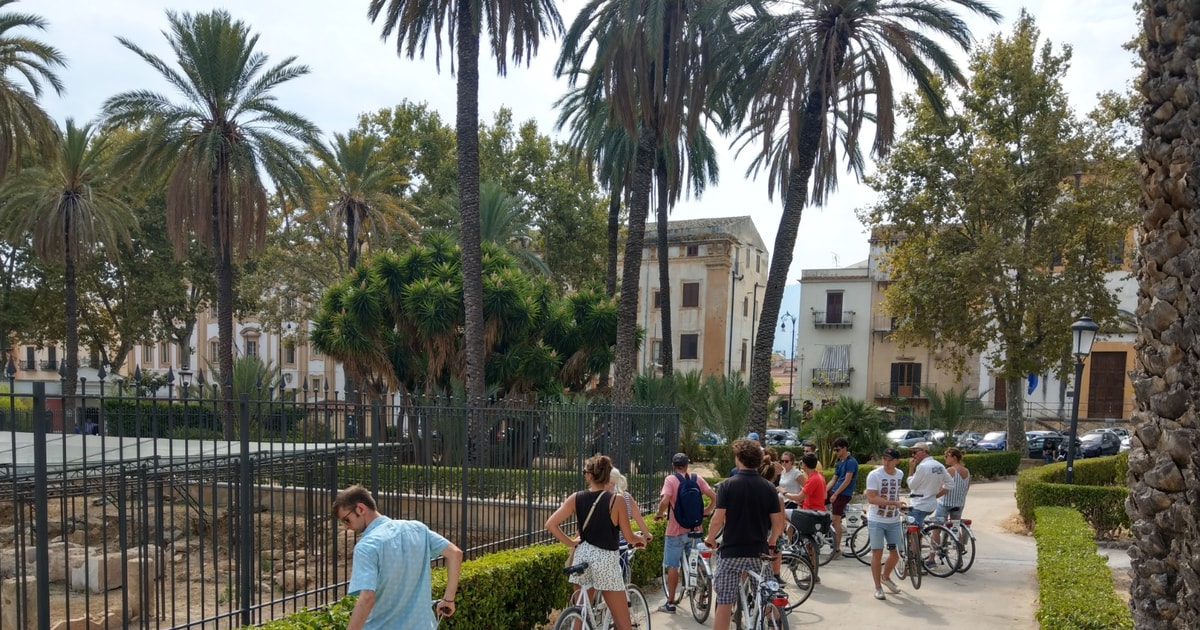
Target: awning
{"points": [[835, 366]]}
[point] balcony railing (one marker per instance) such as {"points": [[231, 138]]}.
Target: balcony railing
{"points": [[884, 324], [28, 365], [824, 319], [904, 390], [49, 365], [822, 377]]}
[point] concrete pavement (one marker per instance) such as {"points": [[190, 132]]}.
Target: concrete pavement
{"points": [[999, 592]]}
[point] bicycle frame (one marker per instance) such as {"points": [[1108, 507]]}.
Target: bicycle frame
{"points": [[754, 591]]}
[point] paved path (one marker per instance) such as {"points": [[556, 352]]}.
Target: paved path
{"points": [[1000, 590]]}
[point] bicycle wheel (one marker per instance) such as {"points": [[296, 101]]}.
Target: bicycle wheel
{"points": [[825, 548], [901, 569], [570, 619], [966, 542], [947, 553], [639, 608], [860, 544], [803, 580], [773, 618], [916, 562], [700, 595]]}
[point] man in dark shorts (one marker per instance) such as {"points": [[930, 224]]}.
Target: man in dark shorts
{"points": [[752, 516], [845, 475]]}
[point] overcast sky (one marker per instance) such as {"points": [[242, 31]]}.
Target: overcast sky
{"points": [[353, 71]]}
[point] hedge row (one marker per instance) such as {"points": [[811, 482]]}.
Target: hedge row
{"points": [[1075, 583], [1098, 491], [507, 589]]}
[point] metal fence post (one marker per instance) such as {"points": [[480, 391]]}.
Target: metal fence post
{"points": [[375, 427], [245, 513], [40, 509], [466, 465]]}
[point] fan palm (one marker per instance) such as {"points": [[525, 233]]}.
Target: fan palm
{"points": [[359, 187], [521, 22], [212, 145], [647, 60], [792, 78], [69, 209], [25, 65]]}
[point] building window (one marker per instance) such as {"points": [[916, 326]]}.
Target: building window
{"points": [[30, 357], [758, 263], [689, 346], [52, 355], [656, 353], [691, 295], [657, 299], [745, 307], [906, 380], [214, 352], [289, 353], [251, 348], [1116, 254], [1000, 395], [692, 251], [316, 383], [743, 361], [833, 307], [147, 354], [164, 353]]}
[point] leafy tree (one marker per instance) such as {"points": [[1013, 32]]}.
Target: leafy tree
{"points": [[69, 210], [214, 143], [856, 420], [1162, 471], [993, 246], [954, 410], [416, 141], [522, 22], [26, 65], [30, 295], [801, 85], [649, 58]]}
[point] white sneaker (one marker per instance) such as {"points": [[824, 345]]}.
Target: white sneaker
{"points": [[891, 585], [879, 594]]}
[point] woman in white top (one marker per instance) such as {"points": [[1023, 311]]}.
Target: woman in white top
{"points": [[790, 479], [950, 505]]}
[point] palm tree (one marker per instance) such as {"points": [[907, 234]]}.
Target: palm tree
{"points": [[800, 84], [358, 186], [523, 22], [213, 144], [1161, 470], [69, 210], [647, 59], [25, 65]]}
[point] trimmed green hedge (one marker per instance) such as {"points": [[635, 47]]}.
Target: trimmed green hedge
{"points": [[1098, 493], [1075, 584]]}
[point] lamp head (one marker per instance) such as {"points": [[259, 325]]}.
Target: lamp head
{"points": [[1083, 333]]}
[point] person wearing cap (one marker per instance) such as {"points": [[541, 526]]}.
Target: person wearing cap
{"points": [[884, 520], [677, 535], [928, 481]]}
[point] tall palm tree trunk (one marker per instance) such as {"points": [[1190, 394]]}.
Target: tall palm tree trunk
{"points": [[467, 125], [70, 287], [1162, 466], [785, 243], [639, 208], [223, 256], [614, 234], [353, 394], [664, 274], [351, 239]]}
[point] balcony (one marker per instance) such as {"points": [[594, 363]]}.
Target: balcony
{"points": [[822, 377], [51, 366], [884, 324], [834, 319], [28, 366], [908, 391]]}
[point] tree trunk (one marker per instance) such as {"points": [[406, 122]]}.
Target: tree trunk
{"points": [[813, 121], [223, 259], [1162, 473], [71, 353], [1015, 395], [614, 234], [664, 276], [467, 126], [627, 307]]}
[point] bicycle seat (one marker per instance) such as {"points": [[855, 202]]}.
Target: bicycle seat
{"points": [[576, 568], [696, 535]]}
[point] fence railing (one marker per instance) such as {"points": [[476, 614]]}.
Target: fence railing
{"points": [[143, 515]]}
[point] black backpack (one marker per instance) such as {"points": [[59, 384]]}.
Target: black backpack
{"points": [[689, 502]]}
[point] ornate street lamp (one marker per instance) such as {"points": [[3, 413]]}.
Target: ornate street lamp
{"points": [[792, 366], [1083, 333]]}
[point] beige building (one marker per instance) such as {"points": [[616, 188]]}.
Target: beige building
{"points": [[718, 273]]}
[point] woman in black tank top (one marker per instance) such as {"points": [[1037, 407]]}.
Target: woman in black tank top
{"points": [[597, 543]]}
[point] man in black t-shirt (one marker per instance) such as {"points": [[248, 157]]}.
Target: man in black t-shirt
{"points": [[749, 510]]}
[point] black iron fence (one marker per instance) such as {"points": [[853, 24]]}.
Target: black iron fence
{"points": [[137, 512]]}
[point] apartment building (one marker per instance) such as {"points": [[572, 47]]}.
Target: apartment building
{"points": [[718, 273]]}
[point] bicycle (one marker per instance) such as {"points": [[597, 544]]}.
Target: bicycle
{"points": [[912, 563], [761, 604], [593, 614], [695, 576], [796, 561], [944, 547], [966, 541], [820, 543]]}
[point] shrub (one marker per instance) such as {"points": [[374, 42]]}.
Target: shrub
{"points": [[149, 418], [1075, 583], [1094, 493]]}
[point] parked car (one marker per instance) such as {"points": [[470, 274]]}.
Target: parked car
{"points": [[708, 438], [781, 437], [968, 439], [898, 436], [994, 441], [913, 441], [1098, 444], [1120, 432], [937, 437], [1037, 444]]}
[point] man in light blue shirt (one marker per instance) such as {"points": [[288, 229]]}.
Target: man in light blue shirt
{"points": [[391, 566]]}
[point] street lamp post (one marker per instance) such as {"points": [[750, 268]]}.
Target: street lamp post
{"points": [[792, 366], [734, 277], [1083, 333]]}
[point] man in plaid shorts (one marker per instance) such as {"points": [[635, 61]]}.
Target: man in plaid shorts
{"points": [[751, 514]]}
